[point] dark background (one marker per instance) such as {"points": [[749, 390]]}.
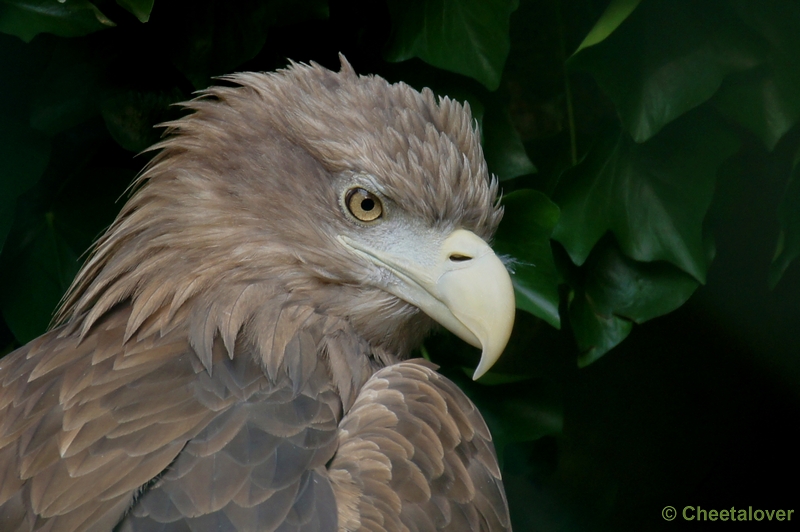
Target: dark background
{"points": [[597, 429]]}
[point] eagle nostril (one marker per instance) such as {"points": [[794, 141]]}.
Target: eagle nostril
{"points": [[456, 257]]}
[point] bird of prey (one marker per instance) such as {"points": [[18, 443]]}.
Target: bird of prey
{"points": [[233, 355]]}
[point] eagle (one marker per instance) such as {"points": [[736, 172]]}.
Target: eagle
{"points": [[234, 355]]}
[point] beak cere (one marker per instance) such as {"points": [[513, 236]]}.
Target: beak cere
{"points": [[466, 288]]}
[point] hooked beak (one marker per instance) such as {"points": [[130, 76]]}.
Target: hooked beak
{"points": [[466, 288]]}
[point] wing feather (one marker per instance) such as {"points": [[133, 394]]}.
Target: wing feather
{"points": [[98, 433], [415, 455]]}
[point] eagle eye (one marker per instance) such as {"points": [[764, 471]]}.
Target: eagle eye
{"points": [[363, 204]]}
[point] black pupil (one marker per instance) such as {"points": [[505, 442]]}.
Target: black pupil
{"points": [[367, 204]]}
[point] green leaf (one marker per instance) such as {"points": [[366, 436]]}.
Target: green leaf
{"points": [[70, 18], [502, 146], [766, 100], [524, 235], [617, 292], [217, 37], [594, 333], [469, 37], [139, 8], [652, 196], [668, 57], [616, 12], [788, 247], [761, 103]]}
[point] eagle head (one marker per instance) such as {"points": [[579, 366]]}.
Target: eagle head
{"points": [[367, 200]]}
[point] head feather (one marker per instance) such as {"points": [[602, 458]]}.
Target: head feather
{"points": [[234, 212]]}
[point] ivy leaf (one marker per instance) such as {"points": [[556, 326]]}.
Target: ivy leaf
{"points": [[788, 247], [524, 235], [666, 58], [766, 100], [652, 196], [617, 292], [139, 8], [614, 15], [469, 37], [502, 146], [28, 18]]}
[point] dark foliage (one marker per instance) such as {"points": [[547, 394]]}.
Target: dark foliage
{"points": [[666, 141]]}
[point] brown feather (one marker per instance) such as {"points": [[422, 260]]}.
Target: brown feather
{"points": [[213, 342], [433, 479]]}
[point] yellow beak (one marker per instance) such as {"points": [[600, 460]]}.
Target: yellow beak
{"points": [[466, 288]]}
